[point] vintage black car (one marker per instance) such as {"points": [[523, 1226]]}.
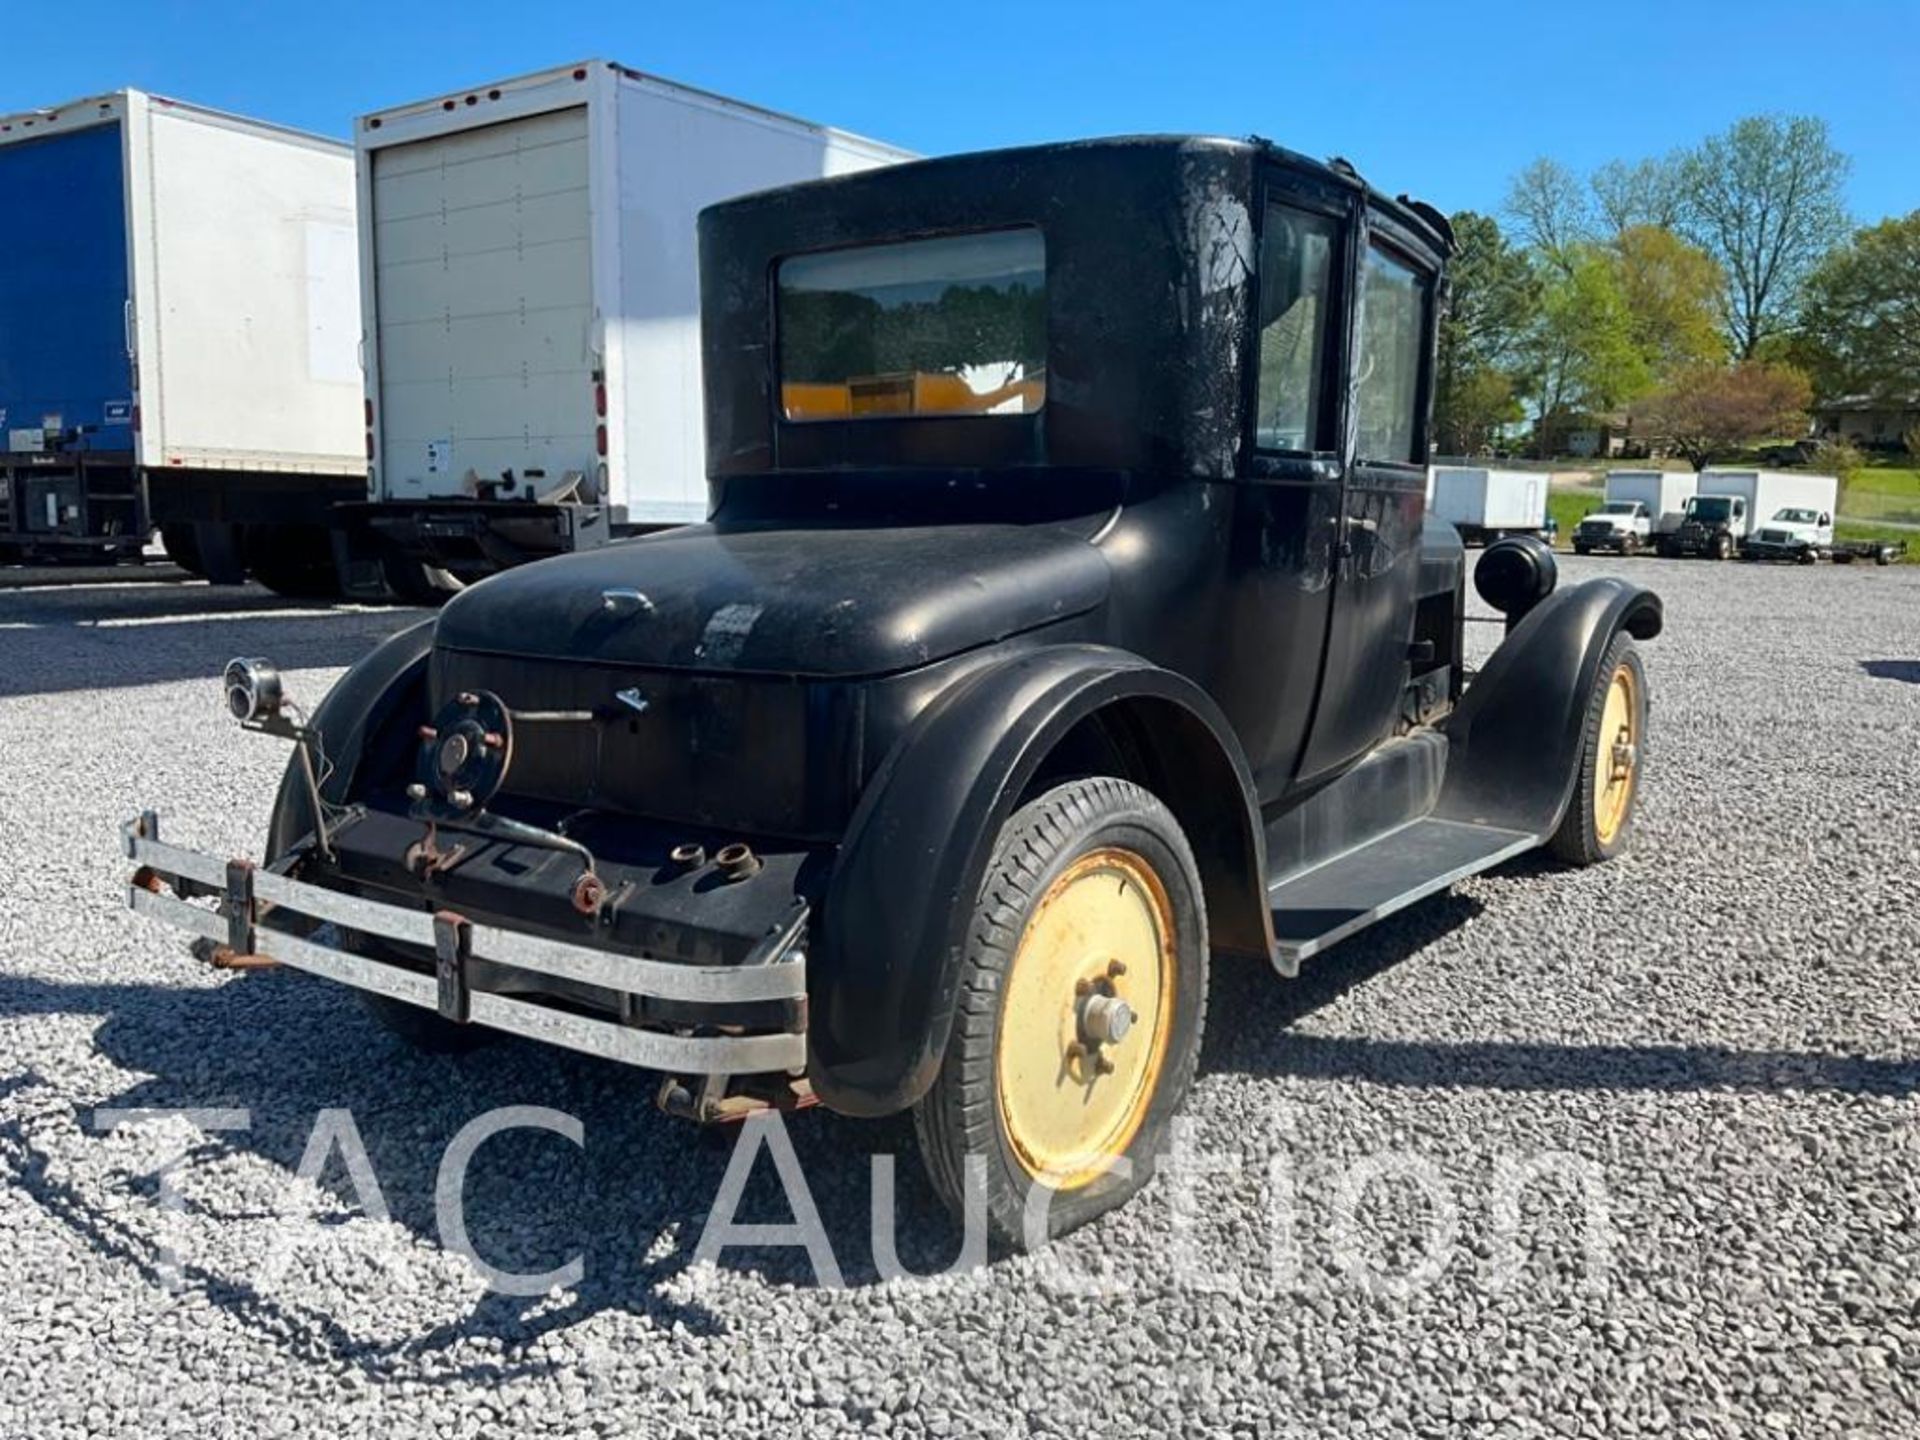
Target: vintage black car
{"points": [[1067, 622]]}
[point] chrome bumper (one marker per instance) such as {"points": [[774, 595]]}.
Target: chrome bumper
{"points": [[244, 933]]}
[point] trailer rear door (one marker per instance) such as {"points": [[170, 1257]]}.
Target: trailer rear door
{"points": [[65, 378], [484, 308]]}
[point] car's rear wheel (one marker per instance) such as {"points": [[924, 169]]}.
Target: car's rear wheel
{"points": [[1079, 1013], [1599, 818]]}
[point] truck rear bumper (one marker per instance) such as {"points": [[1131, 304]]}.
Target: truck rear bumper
{"points": [[469, 538], [260, 916]]}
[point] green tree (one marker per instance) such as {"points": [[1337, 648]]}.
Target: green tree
{"points": [[1492, 298], [1671, 290], [1764, 199], [1548, 207], [1580, 354], [1860, 321], [1647, 192]]}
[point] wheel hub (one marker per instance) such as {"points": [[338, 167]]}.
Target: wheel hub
{"points": [[1086, 1013]]}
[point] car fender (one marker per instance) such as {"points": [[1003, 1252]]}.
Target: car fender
{"points": [[885, 961], [1514, 740], [391, 676]]}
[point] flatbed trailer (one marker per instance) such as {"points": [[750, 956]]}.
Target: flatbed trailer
{"points": [[1880, 552]]}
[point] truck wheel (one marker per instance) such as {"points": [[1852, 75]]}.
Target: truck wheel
{"points": [[183, 548], [1722, 547], [1081, 1005], [1630, 545], [1810, 556], [1599, 818], [413, 583], [218, 547], [295, 561], [424, 1030]]}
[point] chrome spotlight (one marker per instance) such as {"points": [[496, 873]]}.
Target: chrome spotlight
{"points": [[253, 690]]}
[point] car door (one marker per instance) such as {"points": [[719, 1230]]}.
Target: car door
{"points": [[1383, 500], [1286, 523]]}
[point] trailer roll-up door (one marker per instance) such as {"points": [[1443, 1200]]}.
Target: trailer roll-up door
{"points": [[483, 276]]}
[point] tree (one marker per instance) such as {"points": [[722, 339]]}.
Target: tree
{"points": [[1860, 319], [1764, 199], [1711, 408], [1580, 354], [1648, 192], [1548, 206], [1671, 290], [1492, 297]]}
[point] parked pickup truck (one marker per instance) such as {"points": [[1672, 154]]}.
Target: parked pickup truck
{"points": [[1066, 616], [1622, 525]]}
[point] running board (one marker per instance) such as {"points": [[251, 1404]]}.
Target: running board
{"points": [[1315, 908]]}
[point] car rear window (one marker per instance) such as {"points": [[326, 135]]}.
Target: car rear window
{"points": [[951, 325]]}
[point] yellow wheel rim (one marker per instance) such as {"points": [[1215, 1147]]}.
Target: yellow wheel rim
{"points": [[1616, 759], [1072, 1093]]}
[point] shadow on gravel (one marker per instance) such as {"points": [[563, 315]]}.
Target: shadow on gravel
{"points": [[1904, 670], [143, 636], [631, 1204]]}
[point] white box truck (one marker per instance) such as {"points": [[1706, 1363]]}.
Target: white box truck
{"points": [[179, 317], [1731, 505], [531, 309], [1640, 507], [1485, 504]]}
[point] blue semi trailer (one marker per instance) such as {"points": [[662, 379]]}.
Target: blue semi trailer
{"points": [[179, 328]]}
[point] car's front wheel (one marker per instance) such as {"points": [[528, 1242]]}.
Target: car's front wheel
{"points": [[1599, 817], [1079, 1014]]}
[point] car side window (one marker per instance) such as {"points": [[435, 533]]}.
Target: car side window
{"points": [[1296, 276], [1393, 328]]}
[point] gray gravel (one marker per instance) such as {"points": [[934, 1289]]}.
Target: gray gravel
{"points": [[1721, 1028]]}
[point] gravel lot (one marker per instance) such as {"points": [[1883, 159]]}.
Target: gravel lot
{"points": [[1721, 1029]]}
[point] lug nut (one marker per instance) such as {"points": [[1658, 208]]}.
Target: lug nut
{"points": [[1102, 1064]]}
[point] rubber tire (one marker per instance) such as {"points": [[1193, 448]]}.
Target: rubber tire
{"points": [[1583, 549], [959, 1115], [424, 1030], [1722, 547], [1630, 546], [1809, 556], [1577, 842], [183, 548], [412, 583], [293, 561]]}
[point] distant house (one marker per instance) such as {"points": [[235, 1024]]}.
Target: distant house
{"points": [[1863, 420], [1607, 436]]}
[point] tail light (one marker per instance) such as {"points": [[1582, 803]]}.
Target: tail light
{"points": [[600, 440]]}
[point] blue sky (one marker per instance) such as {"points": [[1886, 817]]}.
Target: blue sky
{"points": [[1444, 99]]}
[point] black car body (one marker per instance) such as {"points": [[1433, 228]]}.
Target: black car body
{"points": [[1029, 470]]}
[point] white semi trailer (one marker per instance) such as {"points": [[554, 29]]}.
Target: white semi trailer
{"points": [[179, 314], [530, 303], [1485, 504]]}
